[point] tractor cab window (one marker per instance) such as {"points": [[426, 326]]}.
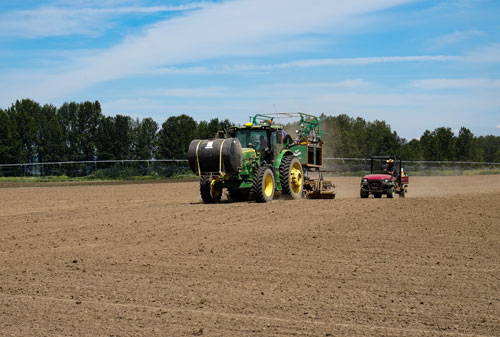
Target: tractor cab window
{"points": [[252, 138]]}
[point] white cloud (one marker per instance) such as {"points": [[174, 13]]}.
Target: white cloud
{"points": [[454, 38], [311, 63], [187, 92], [486, 54], [73, 20], [498, 126], [233, 28], [347, 61], [461, 83]]}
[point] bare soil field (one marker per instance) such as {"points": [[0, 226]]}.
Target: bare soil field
{"points": [[151, 260]]}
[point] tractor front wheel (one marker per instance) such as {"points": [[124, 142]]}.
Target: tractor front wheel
{"points": [[291, 177], [377, 195], [209, 190], [364, 194], [264, 184]]}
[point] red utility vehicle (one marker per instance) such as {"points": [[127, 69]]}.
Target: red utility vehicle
{"points": [[379, 182]]}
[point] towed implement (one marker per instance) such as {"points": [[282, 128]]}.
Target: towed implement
{"points": [[259, 160]]}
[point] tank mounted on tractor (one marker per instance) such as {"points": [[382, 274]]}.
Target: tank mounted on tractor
{"points": [[257, 160], [380, 181]]}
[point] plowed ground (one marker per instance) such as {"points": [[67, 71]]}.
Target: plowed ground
{"points": [[151, 260]]}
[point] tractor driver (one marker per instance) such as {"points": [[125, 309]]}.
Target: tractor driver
{"points": [[263, 143]]}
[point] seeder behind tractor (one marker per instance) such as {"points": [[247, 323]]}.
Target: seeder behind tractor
{"points": [[259, 159]]}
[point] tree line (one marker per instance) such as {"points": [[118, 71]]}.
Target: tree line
{"points": [[347, 137], [31, 133]]}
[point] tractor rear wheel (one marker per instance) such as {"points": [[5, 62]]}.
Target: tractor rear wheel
{"points": [[291, 177], [209, 190], [263, 184]]}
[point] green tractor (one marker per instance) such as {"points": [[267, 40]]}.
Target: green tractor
{"points": [[258, 160]]}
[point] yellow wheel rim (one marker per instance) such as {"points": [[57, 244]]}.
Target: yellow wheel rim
{"points": [[296, 177], [213, 190], [268, 185]]}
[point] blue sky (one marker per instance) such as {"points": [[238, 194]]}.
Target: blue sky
{"points": [[416, 64]]}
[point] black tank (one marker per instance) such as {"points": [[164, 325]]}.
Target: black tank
{"points": [[215, 155]]}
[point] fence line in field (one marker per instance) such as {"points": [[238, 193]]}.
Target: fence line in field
{"points": [[169, 167], [96, 162], [422, 161]]}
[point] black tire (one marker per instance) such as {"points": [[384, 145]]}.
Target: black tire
{"points": [[364, 194], [263, 185], [291, 177], [377, 195], [390, 193], [208, 193], [402, 193]]}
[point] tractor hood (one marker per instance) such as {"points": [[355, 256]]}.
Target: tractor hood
{"points": [[377, 176], [248, 153]]}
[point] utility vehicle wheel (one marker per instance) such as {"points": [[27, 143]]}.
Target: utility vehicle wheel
{"points": [[377, 195], [364, 194], [390, 192], [402, 193], [209, 190], [263, 185], [291, 177]]}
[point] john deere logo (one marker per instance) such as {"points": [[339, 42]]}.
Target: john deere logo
{"points": [[297, 153]]}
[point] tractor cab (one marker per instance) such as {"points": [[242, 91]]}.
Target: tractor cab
{"points": [[386, 177], [264, 138]]}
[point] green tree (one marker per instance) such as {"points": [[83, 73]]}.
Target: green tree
{"points": [[106, 139], [412, 150], [466, 146], [7, 141], [124, 137], [80, 123], [115, 138], [489, 146], [50, 141], [202, 131], [22, 115], [146, 139], [175, 135]]}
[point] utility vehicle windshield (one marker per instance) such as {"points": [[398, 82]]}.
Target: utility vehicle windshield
{"points": [[379, 165]]}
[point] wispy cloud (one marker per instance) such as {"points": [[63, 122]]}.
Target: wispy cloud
{"points": [[486, 54], [48, 21], [498, 126], [454, 38], [188, 92], [309, 63], [461, 83], [346, 61], [219, 30]]}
